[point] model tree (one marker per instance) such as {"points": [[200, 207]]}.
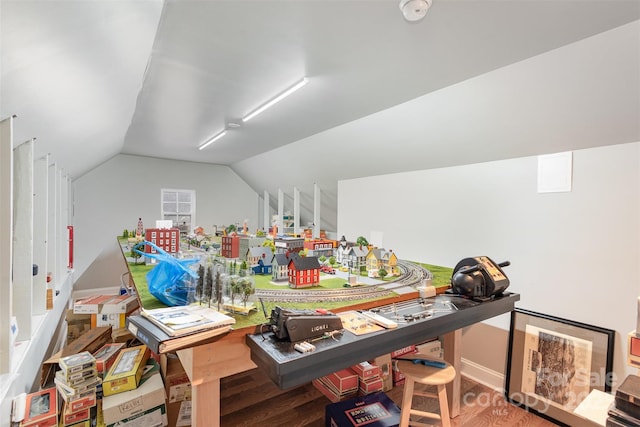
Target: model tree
{"points": [[208, 286], [332, 260], [243, 268], [246, 289], [361, 241], [136, 256], [382, 273], [234, 289], [200, 283], [270, 243], [218, 288]]}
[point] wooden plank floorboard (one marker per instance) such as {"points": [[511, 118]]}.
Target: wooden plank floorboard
{"points": [[251, 399]]}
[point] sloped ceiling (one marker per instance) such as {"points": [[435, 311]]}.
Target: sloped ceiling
{"points": [[474, 81]]}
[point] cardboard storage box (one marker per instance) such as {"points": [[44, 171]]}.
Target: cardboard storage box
{"points": [[178, 391], [116, 320], [126, 371], [431, 349], [84, 400], [404, 350], [156, 416], [106, 304], [90, 341], [176, 381], [70, 418], [76, 363], [41, 409], [398, 377], [371, 385], [344, 380], [148, 400], [366, 370], [182, 410], [384, 363], [77, 324], [106, 355], [121, 335], [373, 410], [326, 387]]}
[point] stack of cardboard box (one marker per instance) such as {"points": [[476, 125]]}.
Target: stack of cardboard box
{"points": [[339, 385], [398, 377], [144, 405], [78, 385], [178, 390], [369, 380]]}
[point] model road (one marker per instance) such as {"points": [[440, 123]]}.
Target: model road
{"points": [[411, 275]]}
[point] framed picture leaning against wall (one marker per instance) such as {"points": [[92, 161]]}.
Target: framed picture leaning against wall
{"points": [[553, 364]]}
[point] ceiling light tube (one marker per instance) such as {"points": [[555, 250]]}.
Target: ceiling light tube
{"points": [[275, 100], [212, 140]]}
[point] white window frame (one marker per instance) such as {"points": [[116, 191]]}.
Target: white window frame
{"points": [[25, 295], [192, 211]]}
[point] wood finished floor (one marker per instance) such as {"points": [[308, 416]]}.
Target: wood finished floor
{"points": [[251, 399]]}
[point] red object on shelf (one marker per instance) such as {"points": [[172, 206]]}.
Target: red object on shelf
{"points": [[70, 230]]}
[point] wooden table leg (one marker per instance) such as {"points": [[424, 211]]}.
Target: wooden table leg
{"points": [[451, 343], [205, 365], [205, 404]]}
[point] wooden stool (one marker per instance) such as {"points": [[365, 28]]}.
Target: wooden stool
{"points": [[418, 373]]}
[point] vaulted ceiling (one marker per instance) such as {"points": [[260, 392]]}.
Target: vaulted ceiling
{"points": [[94, 79]]}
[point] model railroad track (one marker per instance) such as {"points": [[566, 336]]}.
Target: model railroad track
{"points": [[328, 295], [411, 275]]}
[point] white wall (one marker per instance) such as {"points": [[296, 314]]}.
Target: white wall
{"points": [[113, 196], [574, 255]]}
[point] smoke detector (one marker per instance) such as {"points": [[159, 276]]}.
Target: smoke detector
{"points": [[414, 10]]}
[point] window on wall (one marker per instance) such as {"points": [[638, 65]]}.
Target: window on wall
{"points": [[179, 206]]}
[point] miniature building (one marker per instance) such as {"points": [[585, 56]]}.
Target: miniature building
{"points": [[320, 247], [230, 246], [341, 253], [247, 242], [288, 244], [167, 239], [259, 258], [280, 266], [262, 267], [378, 258], [304, 272], [308, 233], [355, 257]]}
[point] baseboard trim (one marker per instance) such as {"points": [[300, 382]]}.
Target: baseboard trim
{"points": [[483, 375]]}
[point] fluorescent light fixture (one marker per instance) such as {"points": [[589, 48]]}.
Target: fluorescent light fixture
{"points": [[275, 100], [212, 140]]}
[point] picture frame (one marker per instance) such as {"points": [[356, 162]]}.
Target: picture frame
{"points": [[553, 364]]}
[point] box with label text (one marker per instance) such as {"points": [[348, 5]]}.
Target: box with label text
{"points": [[344, 380], [148, 400], [106, 356], [366, 370], [373, 410], [126, 371], [384, 364], [41, 409], [106, 304]]}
